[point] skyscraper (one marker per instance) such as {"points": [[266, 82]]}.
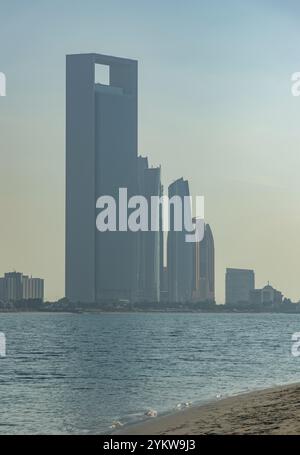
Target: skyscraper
{"points": [[239, 284], [179, 252], [204, 267], [101, 157], [150, 242]]}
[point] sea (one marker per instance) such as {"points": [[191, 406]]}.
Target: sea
{"points": [[92, 373]]}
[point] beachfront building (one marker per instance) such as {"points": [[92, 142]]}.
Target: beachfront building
{"points": [[33, 288], [179, 252], [267, 295], [204, 268], [150, 243], [101, 158], [15, 286], [238, 285]]}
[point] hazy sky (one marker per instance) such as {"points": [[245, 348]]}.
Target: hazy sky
{"points": [[214, 107]]}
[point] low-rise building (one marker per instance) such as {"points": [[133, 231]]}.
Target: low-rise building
{"points": [[267, 294]]}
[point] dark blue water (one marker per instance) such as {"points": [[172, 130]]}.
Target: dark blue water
{"points": [[77, 373]]}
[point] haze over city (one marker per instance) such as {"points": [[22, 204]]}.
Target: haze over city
{"points": [[214, 107]]}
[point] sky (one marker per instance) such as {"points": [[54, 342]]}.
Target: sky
{"points": [[215, 107]]}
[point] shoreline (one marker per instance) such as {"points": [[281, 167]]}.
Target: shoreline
{"points": [[158, 311], [273, 410]]}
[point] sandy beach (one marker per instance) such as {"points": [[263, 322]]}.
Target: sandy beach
{"points": [[270, 411]]}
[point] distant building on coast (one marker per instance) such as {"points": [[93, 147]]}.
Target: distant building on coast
{"points": [[267, 294], [204, 268], [150, 243], [15, 286], [101, 158], [12, 287], [179, 252], [238, 283]]}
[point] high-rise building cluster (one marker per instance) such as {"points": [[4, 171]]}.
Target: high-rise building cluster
{"points": [[15, 286], [102, 157]]}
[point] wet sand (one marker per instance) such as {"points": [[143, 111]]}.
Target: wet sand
{"points": [[270, 411]]}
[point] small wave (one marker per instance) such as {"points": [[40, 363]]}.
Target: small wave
{"points": [[116, 424], [151, 413], [183, 405]]}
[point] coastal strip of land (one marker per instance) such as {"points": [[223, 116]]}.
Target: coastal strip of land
{"points": [[270, 411]]}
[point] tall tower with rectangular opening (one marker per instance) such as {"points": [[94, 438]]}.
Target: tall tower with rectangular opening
{"points": [[101, 157]]}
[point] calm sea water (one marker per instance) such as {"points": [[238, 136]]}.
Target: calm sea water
{"points": [[76, 373]]}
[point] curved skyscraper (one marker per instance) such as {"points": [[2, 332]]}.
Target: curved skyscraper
{"points": [[180, 252], [204, 267]]}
